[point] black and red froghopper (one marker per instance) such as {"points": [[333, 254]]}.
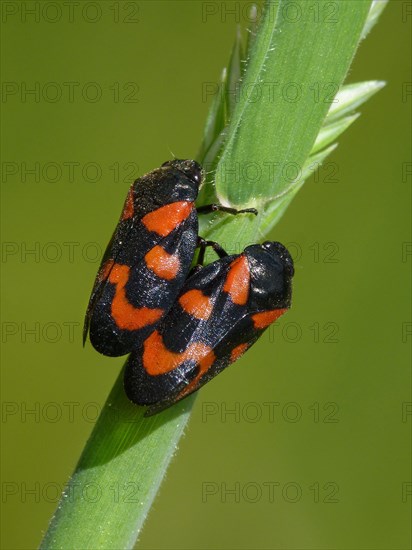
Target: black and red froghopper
{"points": [[219, 313]]}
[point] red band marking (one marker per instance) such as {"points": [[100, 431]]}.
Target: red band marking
{"points": [[238, 281], [196, 304], [157, 359], [128, 208], [238, 351], [166, 218], [266, 318], [164, 265], [127, 316]]}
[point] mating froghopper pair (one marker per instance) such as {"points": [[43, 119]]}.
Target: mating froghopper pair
{"points": [[182, 325]]}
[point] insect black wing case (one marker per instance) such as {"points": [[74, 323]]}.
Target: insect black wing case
{"points": [[147, 260]]}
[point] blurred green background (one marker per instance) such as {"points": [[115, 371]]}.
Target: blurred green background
{"points": [[316, 451]]}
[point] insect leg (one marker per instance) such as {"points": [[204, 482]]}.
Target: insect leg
{"points": [[208, 208]]}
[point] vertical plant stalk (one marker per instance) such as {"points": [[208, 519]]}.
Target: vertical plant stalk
{"points": [[118, 475], [110, 493]]}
